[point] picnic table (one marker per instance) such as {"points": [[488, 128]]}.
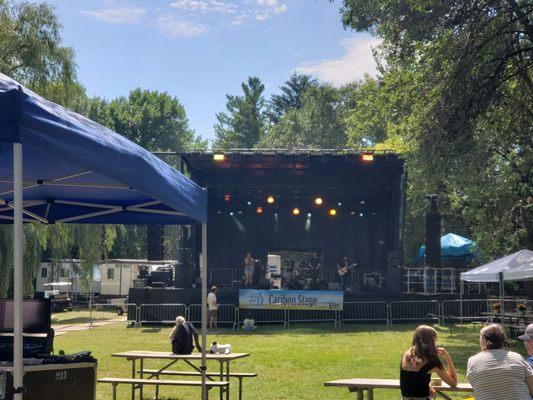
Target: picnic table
{"points": [[224, 361], [361, 385]]}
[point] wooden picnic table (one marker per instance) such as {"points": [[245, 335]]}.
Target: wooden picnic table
{"points": [[224, 361], [361, 385]]}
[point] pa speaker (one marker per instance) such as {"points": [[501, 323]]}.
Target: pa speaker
{"points": [[183, 276], [433, 223], [394, 279]]}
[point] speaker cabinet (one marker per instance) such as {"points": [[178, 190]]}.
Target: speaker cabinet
{"points": [[433, 227]]}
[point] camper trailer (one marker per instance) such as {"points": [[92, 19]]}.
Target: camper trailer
{"points": [[65, 271], [118, 275]]}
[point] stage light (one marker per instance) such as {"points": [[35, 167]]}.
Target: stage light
{"points": [[352, 213], [295, 211], [231, 213], [362, 202], [368, 157], [219, 157], [227, 197], [319, 201], [339, 204], [332, 212], [219, 212], [239, 212], [270, 200], [361, 214], [259, 210], [308, 215], [249, 202]]}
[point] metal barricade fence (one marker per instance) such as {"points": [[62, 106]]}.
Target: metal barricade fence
{"points": [[414, 310], [261, 316], [312, 316], [472, 310], [160, 313], [227, 314], [365, 311], [104, 314]]}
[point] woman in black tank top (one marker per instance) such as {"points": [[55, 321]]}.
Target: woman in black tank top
{"points": [[420, 361]]}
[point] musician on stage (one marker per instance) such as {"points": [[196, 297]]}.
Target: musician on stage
{"points": [[343, 271], [314, 266], [249, 264]]}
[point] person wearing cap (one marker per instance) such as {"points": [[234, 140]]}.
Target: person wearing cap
{"points": [[212, 309], [527, 337], [182, 336]]}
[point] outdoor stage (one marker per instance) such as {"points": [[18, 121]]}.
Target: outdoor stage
{"points": [[300, 206]]}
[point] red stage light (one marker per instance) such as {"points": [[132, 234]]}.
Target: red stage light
{"points": [[259, 210], [227, 197]]}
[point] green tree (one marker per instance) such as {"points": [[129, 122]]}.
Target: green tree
{"points": [[318, 123], [31, 49], [244, 122], [457, 85], [291, 96]]}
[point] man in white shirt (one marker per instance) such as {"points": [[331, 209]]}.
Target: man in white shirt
{"points": [[212, 309]]}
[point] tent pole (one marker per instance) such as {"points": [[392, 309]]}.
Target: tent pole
{"points": [[461, 291], [18, 293], [502, 294], [203, 271]]}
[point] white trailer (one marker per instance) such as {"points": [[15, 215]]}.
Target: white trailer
{"points": [[65, 271], [117, 275]]}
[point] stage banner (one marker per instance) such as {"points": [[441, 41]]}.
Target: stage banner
{"points": [[291, 299]]}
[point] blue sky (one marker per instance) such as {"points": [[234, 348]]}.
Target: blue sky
{"points": [[201, 50]]}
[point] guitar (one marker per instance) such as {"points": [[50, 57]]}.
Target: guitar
{"points": [[343, 270]]}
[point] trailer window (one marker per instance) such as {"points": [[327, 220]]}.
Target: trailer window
{"points": [[111, 273], [44, 272]]}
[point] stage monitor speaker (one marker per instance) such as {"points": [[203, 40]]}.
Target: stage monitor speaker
{"points": [[183, 276], [433, 228]]}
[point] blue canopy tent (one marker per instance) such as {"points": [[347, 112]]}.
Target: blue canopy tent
{"points": [[452, 247], [57, 166]]}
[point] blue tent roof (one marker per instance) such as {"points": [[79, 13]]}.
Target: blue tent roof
{"points": [[451, 245], [76, 170]]}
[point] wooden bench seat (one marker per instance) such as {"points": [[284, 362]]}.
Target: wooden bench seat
{"points": [[239, 375], [159, 382]]}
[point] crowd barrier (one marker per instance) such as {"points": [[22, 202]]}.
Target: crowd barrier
{"points": [[364, 311]]}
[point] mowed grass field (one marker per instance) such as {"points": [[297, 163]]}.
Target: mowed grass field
{"points": [[291, 364]]}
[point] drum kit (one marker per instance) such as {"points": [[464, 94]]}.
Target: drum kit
{"points": [[296, 277]]}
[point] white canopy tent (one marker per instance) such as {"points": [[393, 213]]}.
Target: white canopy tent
{"points": [[514, 267]]}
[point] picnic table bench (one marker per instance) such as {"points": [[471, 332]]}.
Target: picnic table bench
{"points": [[239, 375], [158, 382], [223, 375], [360, 385]]}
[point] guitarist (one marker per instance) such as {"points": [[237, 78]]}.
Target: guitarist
{"points": [[343, 270]]}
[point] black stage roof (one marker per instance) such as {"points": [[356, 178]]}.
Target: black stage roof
{"points": [[342, 174]]}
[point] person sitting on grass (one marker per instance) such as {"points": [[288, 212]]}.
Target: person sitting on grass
{"points": [[420, 361], [497, 373], [182, 335]]}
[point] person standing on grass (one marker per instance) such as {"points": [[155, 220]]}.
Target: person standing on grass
{"points": [[212, 309], [420, 361], [527, 337], [497, 373], [182, 336]]}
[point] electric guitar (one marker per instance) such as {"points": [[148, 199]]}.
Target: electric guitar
{"points": [[343, 270]]}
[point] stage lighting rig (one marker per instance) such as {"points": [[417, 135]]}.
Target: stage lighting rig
{"points": [[270, 200], [319, 201], [219, 157], [367, 157], [259, 210]]}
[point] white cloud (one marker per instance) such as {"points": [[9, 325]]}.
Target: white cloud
{"points": [[178, 27], [354, 64], [239, 20], [223, 8], [117, 15], [281, 9], [191, 5], [262, 16], [267, 3]]}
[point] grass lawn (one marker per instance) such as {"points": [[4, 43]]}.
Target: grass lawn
{"points": [[291, 364]]}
